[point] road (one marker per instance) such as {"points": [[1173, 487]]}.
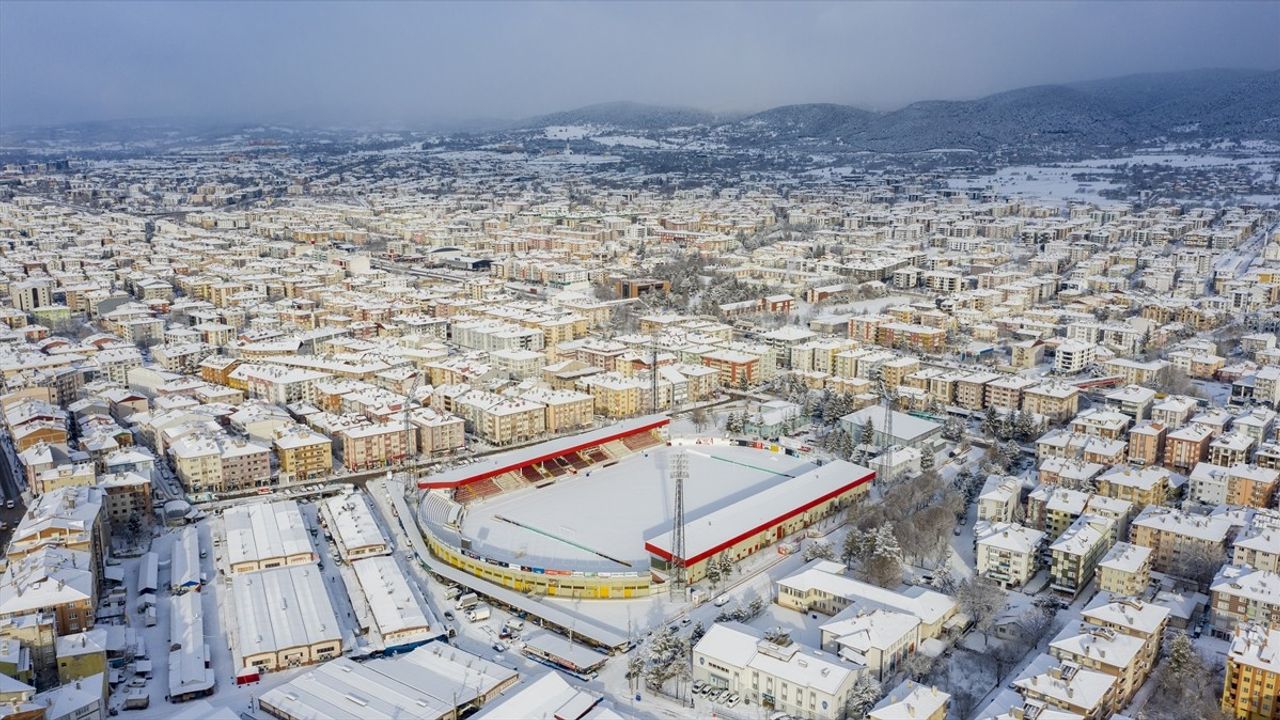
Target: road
{"points": [[9, 485]]}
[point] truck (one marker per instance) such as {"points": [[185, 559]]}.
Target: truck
{"points": [[466, 601], [513, 626], [479, 613], [452, 592]]}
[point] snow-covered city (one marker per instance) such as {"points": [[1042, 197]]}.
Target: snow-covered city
{"points": [[937, 405]]}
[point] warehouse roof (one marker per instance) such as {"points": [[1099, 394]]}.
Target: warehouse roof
{"points": [[425, 684], [264, 531], [282, 608]]}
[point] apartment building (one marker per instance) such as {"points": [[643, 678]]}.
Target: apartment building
{"points": [[1073, 356], [1066, 686], [1007, 553], [1186, 446], [205, 462], [1146, 443], [302, 453], [1142, 486], [1108, 651], [565, 410], [1258, 545], [1180, 541], [1252, 674], [1052, 400], [377, 445], [1075, 555], [1240, 594], [438, 432], [1007, 392], [501, 420], [1125, 571], [999, 499], [1251, 486], [279, 385]]}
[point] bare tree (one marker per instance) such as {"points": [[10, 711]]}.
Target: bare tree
{"points": [[982, 600]]}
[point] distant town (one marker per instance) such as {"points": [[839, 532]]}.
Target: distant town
{"points": [[591, 422]]}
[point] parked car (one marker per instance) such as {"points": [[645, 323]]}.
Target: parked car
{"points": [[722, 601]]}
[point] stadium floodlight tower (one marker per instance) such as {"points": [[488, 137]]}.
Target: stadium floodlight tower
{"points": [[890, 398], [678, 464]]}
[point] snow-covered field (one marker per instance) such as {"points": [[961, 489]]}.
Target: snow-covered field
{"points": [[611, 511], [1055, 183]]}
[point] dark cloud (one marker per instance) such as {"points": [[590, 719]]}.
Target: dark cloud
{"points": [[401, 62]]}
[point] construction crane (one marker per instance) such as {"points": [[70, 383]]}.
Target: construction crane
{"points": [[409, 464], [653, 361]]}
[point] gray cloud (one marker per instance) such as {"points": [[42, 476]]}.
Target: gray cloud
{"points": [[397, 62]]}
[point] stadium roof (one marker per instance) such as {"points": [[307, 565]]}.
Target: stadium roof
{"points": [[516, 459], [729, 525]]}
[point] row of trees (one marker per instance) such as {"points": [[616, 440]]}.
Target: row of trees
{"points": [[913, 522], [1016, 425], [666, 658]]}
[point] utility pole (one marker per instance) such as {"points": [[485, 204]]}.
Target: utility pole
{"points": [[679, 471]]}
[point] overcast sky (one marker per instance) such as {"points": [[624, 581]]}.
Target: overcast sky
{"points": [[405, 62]]}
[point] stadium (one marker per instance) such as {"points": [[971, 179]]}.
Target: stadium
{"points": [[591, 515]]}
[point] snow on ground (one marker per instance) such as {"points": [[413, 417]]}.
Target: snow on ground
{"points": [[1045, 183], [567, 132], [611, 511], [1054, 183], [626, 141]]}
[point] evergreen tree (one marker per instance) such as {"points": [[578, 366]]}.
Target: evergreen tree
{"points": [[926, 461], [863, 696]]}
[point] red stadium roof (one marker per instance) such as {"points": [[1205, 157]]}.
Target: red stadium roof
{"points": [[517, 459]]}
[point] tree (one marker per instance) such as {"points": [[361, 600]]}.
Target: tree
{"points": [[953, 429], [863, 696], [727, 566], [990, 422], [918, 665], [696, 634], [982, 600], [635, 670], [134, 528], [883, 565], [926, 461], [713, 572], [818, 550], [1185, 686], [1200, 565], [700, 419], [867, 434]]}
